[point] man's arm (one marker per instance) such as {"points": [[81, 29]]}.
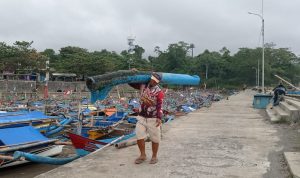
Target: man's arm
{"points": [[135, 85], [138, 86], [160, 98]]}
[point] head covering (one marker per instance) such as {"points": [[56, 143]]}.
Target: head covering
{"points": [[156, 77]]}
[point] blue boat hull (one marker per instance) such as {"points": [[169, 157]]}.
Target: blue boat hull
{"points": [[101, 85], [43, 159]]}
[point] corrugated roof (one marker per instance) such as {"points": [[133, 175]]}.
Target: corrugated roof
{"points": [[64, 74]]}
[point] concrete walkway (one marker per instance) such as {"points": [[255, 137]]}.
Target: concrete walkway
{"points": [[229, 139]]}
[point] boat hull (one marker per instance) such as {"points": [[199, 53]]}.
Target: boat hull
{"points": [[101, 85], [52, 150]]}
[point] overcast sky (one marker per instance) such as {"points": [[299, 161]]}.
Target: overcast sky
{"points": [[106, 24]]}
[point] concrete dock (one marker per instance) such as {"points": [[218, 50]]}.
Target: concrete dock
{"points": [[229, 139]]}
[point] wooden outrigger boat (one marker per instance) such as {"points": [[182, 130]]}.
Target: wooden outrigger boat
{"points": [[97, 128], [26, 139], [24, 118], [85, 146]]}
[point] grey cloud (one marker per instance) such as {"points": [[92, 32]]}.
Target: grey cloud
{"points": [[95, 25]]}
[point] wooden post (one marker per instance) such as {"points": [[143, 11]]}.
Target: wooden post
{"points": [[118, 92], [80, 119]]}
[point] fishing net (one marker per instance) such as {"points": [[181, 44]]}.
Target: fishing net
{"points": [[109, 80]]}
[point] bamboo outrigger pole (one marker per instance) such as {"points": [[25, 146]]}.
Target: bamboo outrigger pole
{"points": [[287, 82]]}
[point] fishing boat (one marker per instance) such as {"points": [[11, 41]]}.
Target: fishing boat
{"points": [[24, 118], [28, 140], [102, 133], [85, 146], [98, 127]]}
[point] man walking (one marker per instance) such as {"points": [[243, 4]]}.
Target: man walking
{"points": [[149, 118]]}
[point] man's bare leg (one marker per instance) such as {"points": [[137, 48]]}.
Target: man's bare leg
{"points": [[141, 145], [154, 153]]}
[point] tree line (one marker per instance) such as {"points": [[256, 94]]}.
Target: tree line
{"points": [[216, 68]]}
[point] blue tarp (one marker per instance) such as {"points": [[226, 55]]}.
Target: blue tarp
{"points": [[134, 103], [86, 111], [11, 117], [100, 123], [187, 108], [117, 116], [37, 103], [19, 135], [293, 92], [132, 120]]}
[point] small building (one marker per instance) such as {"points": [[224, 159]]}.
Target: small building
{"points": [[65, 77]]}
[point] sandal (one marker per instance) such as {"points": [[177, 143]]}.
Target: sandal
{"points": [[139, 160], [153, 161]]}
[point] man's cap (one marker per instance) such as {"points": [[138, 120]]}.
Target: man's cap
{"points": [[156, 77]]}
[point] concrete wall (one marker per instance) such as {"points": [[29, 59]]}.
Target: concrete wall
{"points": [[30, 86], [21, 89], [17, 86], [54, 86]]}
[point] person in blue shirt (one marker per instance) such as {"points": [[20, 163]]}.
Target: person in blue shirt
{"points": [[278, 90]]}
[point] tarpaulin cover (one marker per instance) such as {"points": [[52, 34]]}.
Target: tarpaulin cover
{"points": [[187, 109], [117, 116], [19, 135], [10, 117]]}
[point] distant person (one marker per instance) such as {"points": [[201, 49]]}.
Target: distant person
{"points": [[244, 87], [149, 117], [278, 90]]}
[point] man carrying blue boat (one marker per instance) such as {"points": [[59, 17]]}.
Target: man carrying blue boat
{"points": [[149, 118]]}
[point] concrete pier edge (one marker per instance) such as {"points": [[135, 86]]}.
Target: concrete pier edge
{"points": [[226, 140], [293, 161]]}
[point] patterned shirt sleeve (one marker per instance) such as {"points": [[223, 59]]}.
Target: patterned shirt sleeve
{"points": [[159, 111]]}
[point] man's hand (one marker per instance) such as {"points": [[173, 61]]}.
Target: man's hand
{"points": [[158, 122], [134, 70]]}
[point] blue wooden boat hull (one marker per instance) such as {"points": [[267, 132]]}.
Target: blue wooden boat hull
{"points": [[101, 85], [43, 159], [55, 130], [26, 139]]}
